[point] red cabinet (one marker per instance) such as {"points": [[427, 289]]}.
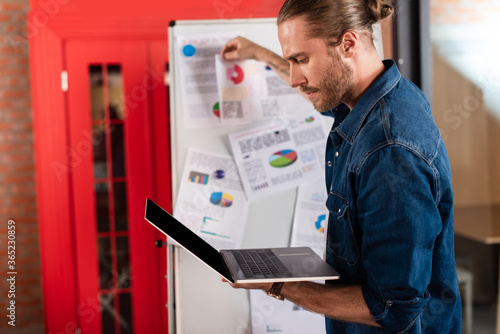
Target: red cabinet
{"points": [[101, 125], [110, 118], [102, 137]]}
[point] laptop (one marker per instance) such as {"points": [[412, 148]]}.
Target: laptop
{"points": [[244, 265]]}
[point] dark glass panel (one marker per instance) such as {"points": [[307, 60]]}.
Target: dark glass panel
{"points": [[105, 263], [99, 144], [117, 150], [107, 314], [102, 206], [122, 262], [120, 197], [115, 92], [96, 92], [125, 306]]}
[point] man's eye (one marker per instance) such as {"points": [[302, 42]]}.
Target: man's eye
{"points": [[302, 61]]}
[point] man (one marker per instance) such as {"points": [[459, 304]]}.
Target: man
{"points": [[390, 229]]}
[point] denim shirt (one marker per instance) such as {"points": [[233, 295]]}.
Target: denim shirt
{"points": [[390, 202]]}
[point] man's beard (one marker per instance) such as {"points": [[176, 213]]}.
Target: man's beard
{"points": [[335, 87]]}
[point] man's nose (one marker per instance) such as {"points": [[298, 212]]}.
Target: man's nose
{"points": [[297, 78]]}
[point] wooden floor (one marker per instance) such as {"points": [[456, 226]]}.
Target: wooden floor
{"points": [[484, 319]]}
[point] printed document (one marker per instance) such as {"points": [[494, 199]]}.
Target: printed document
{"points": [[282, 154], [198, 81], [250, 91], [211, 201]]}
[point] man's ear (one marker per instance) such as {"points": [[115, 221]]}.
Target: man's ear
{"points": [[349, 44]]}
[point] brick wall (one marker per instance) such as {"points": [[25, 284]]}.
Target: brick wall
{"points": [[464, 11], [17, 172]]}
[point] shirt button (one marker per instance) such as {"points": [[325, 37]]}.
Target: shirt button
{"points": [[337, 154], [389, 303], [329, 164]]}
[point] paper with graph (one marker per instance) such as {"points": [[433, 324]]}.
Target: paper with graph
{"points": [[282, 154], [250, 91], [211, 200]]}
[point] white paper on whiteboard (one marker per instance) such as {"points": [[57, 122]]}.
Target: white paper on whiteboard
{"points": [[198, 81], [250, 91], [283, 154], [310, 219], [213, 207], [270, 315]]}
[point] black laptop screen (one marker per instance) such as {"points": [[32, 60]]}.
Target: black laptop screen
{"points": [[174, 229]]}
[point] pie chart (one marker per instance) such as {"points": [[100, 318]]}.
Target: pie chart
{"points": [[235, 74], [221, 199], [319, 223], [283, 158], [216, 109]]}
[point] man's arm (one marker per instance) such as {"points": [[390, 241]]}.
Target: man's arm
{"points": [[344, 303], [241, 48]]}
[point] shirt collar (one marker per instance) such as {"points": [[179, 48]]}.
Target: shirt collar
{"points": [[351, 123]]}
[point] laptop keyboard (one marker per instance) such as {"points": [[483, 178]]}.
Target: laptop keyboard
{"points": [[260, 263]]}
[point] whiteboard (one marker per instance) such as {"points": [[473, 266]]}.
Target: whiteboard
{"points": [[203, 304]]}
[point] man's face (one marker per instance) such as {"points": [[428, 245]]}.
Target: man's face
{"points": [[316, 69]]}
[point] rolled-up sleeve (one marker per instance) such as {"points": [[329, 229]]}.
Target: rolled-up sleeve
{"points": [[396, 208]]}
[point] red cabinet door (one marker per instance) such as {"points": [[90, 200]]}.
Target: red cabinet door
{"points": [[117, 115]]}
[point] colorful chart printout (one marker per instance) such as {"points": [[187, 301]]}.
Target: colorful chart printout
{"points": [[211, 201], [250, 91], [310, 220], [280, 155], [196, 78]]}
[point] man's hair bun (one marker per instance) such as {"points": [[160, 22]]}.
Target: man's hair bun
{"points": [[379, 9]]}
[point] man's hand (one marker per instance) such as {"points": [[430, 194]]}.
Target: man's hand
{"points": [[249, 286], [240, 48]]}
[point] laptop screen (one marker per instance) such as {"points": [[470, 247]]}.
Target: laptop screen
{"points": [[174, 229]]}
